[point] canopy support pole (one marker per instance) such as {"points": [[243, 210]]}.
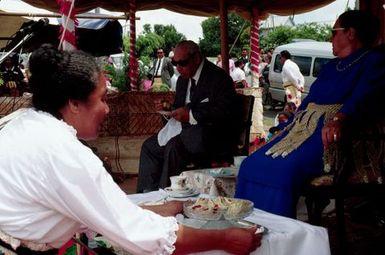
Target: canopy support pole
{"points": [[224, 35], [254, 48], [133, 60]]}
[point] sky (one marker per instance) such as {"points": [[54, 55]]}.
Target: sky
{"points": [[190, 26]]}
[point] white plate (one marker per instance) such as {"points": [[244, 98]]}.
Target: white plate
{"points": [[220, 224]]}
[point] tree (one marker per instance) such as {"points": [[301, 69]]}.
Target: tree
{"points": [[318, 32], [285, 34], [162, 36], [211, 42], [170, 36]]}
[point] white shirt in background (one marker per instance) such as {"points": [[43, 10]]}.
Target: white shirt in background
{"points": [[292, 74]]}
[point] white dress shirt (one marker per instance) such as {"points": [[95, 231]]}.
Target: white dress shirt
{"points": [[238, 75], [292, 74], [52, 186]]}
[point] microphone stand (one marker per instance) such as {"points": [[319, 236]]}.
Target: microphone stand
{"points": [[22, 41]]}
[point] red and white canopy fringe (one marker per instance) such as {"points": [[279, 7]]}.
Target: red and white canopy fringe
{"points": [[68, 25]]}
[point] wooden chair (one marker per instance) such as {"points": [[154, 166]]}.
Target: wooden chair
{"points": [[242, 146], [359, 171]]}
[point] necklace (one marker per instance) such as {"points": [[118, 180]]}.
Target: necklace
{"points": [[341, 69]]}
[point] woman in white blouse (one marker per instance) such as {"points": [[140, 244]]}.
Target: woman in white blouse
{"points": [[52, 186]]}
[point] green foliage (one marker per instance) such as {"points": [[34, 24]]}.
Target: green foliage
{"points": [[147, 43], [165, 36], [211, 42], [160, 88], [313, 31], [278, 36], [119, 77], [170, 36], [285, 34]]}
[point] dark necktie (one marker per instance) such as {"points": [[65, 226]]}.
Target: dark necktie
{"points": [[192, 88]]}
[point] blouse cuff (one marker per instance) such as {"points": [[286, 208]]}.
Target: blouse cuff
{"points": [[173, 227]]}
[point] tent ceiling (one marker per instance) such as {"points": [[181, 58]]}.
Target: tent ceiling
{"points": [[8, 26], [194, 7]]}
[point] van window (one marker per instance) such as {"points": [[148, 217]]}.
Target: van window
{"points": [[277, 64], [304, 64], [318, 63]]}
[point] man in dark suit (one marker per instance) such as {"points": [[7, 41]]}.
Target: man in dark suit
{"points": [[207, 110], [162, 69]]}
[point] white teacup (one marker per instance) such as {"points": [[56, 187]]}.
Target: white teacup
{"points": [[178, 182], [238, 160]]}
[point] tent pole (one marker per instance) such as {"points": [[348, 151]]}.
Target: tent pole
{"points": [[224, 35]]}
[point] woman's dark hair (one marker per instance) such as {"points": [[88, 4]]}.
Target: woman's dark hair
{"points": [[366, 25], [58, 76]]}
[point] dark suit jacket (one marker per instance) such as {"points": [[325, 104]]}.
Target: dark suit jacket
{"points": [[167, 70], [216, 109]]}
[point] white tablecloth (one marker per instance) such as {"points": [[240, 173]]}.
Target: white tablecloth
{"points": [[285, 236]]}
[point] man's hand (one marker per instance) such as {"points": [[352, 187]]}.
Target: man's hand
{"points": [[181, 114], [162, 105]]}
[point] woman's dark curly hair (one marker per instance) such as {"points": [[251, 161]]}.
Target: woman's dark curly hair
{"points": [[58, 76], [366, 25]]}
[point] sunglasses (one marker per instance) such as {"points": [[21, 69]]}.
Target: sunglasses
{"points": [[160, 52], [183, 62], [334, 30]]}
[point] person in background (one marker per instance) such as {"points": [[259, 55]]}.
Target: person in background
{"points": [[238, 75], [290, 108], [347, 93], [14, 84], [53, 186], [204, 120], [231, 63], [244, 56], [162, 69], [171, 53], [293, 80]]}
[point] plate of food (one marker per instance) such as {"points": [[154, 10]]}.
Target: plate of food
{"points": [[218, 208]]}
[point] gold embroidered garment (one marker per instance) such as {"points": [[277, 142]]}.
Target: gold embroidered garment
{"points": [[302, 127]]}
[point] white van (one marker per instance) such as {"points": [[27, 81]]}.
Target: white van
{"points": [[309, 56]]}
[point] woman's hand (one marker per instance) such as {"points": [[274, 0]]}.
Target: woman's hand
{"points": [[332, 131], [241, 241], [170, 208]]}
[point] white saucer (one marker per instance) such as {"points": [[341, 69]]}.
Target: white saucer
{"points": [[176, 194], [178, 191]]}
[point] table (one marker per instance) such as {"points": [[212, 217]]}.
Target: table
{"points": [[206, 183], [286, 236]]}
